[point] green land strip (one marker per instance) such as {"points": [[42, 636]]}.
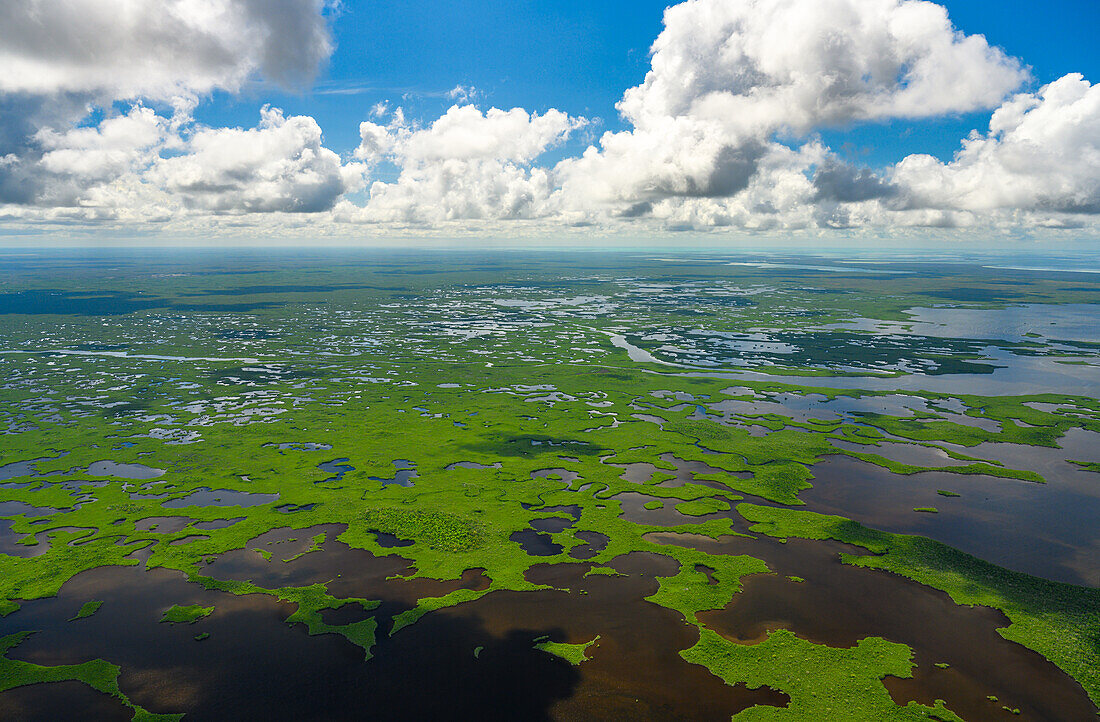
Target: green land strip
{"points": [[575, 654], [1059, 621]]}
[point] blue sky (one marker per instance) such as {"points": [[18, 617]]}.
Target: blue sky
{"points": [[823, 119], [581, 56]]}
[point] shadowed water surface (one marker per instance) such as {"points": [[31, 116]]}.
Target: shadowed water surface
{"points": [[1046, 530], [254, 666], [839, 604]]}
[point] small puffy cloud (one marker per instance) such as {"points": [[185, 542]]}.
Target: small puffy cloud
{"points": [[135, 48], [1042, 153], [466, 133], [463, 94], [64, 166], [281, 165], [98, 153], [455, 190]]}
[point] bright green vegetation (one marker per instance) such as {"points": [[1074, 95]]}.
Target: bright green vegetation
{"points": [[97, 674], [702, 507], [927, 509], [186, 615], [318, 540], [1059, 621], [87, 610], [949, 494], [436, 529], [845, 684], [503, 393], [572, 653], [690, 591]]}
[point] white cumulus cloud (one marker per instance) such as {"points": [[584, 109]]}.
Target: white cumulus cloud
{"points": [[728, 78], [1042, 153], [281, 165], [468, 164], [725, 130], [157, 48]]}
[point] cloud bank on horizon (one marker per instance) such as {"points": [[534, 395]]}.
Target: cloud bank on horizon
{"points": [[97, 128]]}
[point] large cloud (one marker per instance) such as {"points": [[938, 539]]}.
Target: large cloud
{"points": [[1042, 153], [63, 59], [148, 167], [729, 78], [157, 49], [724, 130], [721, 128], [753, 66]]}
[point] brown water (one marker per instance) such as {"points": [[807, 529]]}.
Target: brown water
{"points": [[839, 604], [635, 671], [255, 666], [51, 702]]}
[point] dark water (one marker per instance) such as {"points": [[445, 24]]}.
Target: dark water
{"points": [[536, 544], [339, 467], [403, 476], [9, 542], [254, 666], [53, 702], [839, 604], [387, 540], [163, 524], [633, 510], [594, 543], [1047, 530], [123, 471], [220, 497], [552, 524]]}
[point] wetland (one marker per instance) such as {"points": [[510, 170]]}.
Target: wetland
{"points": [[618, 485]]}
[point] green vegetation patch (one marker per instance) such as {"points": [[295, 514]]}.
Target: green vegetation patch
{"points": [[845, 683], [186, 614], [572, 653], [702, 507], [1059, 621], [437, 529], [87, 610], [97, 674]]}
